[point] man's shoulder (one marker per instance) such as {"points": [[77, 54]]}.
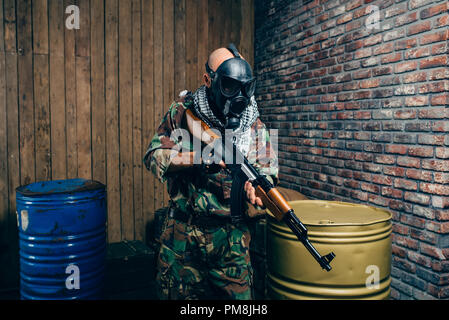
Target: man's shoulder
{"points": [[181, 103], [185, 99], [177, 109]]}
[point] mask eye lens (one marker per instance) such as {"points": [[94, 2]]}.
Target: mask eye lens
{"points": [[229, 87], [249, 88]]}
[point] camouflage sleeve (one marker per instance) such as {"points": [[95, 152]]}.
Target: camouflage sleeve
{"points": [[158, 156], [158, 163], [261, 152]]}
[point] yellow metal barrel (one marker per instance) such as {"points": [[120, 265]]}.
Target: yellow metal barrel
{"points": [[359, 235]]}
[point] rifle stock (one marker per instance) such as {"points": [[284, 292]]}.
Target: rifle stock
{"points": [[200, 129]]}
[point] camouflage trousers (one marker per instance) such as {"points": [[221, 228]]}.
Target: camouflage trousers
{"points": [[204, 263]]}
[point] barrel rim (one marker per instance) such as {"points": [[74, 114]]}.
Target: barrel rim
{"points": [[339, 224], [85, 185]]}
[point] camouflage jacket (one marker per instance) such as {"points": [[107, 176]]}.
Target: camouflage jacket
{"points": [[201, 192]]}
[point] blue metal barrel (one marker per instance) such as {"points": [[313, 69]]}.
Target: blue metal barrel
{"points": [[62, 239]]}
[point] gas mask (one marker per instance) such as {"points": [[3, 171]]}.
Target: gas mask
{"points": [[232, 86]]}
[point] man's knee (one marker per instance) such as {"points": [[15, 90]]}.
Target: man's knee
{"points": [[178, 279]]}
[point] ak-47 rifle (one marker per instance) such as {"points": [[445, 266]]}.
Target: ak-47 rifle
{"points": [[243, 171]]}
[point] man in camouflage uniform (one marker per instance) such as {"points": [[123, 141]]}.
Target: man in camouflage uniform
{"points": [[203, 255]]}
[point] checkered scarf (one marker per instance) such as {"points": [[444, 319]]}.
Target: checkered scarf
{"points": [[202, 109], [205, 113]]}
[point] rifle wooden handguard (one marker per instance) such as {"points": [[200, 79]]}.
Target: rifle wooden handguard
{"points": [[274, 201]]}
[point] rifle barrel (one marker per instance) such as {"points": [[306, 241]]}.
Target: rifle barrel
{"points": [[300, 231]]}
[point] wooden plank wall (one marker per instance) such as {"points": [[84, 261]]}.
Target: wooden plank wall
{"points": [[85, 103]]}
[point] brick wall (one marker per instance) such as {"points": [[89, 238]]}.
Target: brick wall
{"points": [[363, 117]]}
